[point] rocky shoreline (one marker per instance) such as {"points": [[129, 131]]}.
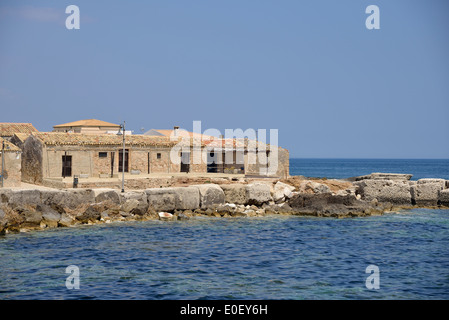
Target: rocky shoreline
{"points": [[375, 194]]}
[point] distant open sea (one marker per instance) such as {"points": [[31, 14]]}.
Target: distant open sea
{"points": [[346, 168]]}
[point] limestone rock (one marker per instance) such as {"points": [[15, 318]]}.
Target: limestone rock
{"points": [[441, 182], [66, 220], [258, 193], [71, 198], [134, 202], [383, 176], [282, 191], [3, 221], [395, 192], [130, 205], [49, 216], [326, 204], [19, 198], [188, 198], [107, 194], [426, 193], [443, 197], [161, 199], [5, 194], [30, 217], [226, 209], [89, 215], [182, 216], [170, 199], [210, 195], [284, 187], [318, 187], [235, 193], [278, 196]]}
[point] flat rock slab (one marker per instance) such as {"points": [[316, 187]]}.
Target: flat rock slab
{"points": [[210, 195], [383, 176], [235, 193], [70, 198], [24, 197], [395, 192], [427, 193], [176, 198], [258, 193]]}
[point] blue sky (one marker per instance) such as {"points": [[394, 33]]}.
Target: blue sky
{"points": [[310, 69]]}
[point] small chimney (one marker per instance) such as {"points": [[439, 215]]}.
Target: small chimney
{"points": [[175, 131]]}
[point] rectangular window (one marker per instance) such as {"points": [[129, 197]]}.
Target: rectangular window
{"points": [[102, 154], [159, 156]]}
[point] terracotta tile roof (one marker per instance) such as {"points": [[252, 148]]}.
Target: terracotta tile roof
{"points": [[74, 139], [8, 129], [88, 123], [9, 147], [211, 141], [183, 133], [236, 143]]}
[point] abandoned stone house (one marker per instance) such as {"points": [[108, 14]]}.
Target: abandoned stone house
{"points": [[56, 155], [10, 162], [49, 155], [240, 156]]}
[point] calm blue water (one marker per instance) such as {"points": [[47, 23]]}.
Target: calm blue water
{"points": [[273, 257], [345, 168]]}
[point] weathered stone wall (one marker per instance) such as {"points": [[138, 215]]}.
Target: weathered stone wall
{"points": [[283, 170], [160, 161], [102, 165], [197, 163], [12, 170], [32, 161], [138, 161], [46, 162], [277, 166], [82, 161]]}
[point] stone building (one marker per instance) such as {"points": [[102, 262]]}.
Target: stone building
{"points": [[231, 155], [90, 126], [10, 162], [59, 155], [56, 155]]}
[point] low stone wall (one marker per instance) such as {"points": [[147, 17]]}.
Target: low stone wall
{"points": [[135, 183], [33, 209], [421, 193]]}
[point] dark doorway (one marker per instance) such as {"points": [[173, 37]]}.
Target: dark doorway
{"points": [[66, 166], [185, 161], [211, 163], [120, 160]]}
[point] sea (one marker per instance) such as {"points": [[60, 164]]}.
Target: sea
{"points": [[396, 256], [346, 168]]}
